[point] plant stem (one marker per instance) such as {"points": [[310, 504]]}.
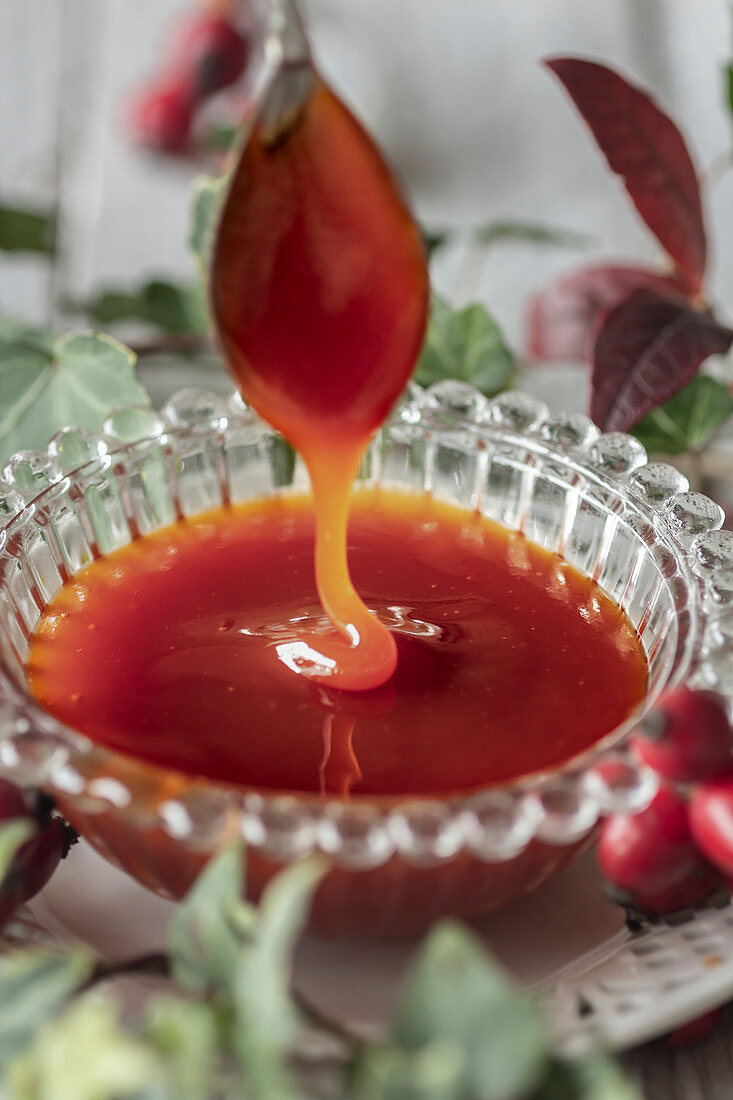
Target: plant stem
{"points": [[717, 168], [154, 964], [172, 344], [320, 1019]]}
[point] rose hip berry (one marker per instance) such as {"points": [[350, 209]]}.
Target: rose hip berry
{"points": [[162, 117], [711, 819], [695, 1031], [651, 859], [687, 737], [213, 51], [36, 859]]}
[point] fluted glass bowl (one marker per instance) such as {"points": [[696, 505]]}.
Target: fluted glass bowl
{"points": [[634, 527]]}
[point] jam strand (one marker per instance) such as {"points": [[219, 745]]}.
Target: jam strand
{"points": [[339, 768], [369, 656]]}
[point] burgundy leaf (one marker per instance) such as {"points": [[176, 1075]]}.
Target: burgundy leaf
{"points": [[562, 319], [646, 149], [646, 349]]}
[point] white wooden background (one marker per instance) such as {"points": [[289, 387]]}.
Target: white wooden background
{"points": [[453, 89], [475, 128]]}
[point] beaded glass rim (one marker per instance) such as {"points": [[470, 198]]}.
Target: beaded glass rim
{"points": [[680, 529]]}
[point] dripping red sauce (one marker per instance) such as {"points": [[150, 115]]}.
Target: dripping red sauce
{"points": [[451, 654]]}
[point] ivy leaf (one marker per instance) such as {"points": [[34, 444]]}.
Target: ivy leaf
{"points": [[687, 422], [531, 232], [266, 1018], [643, 146], [26, 230], [33, 987], [466, 344], [646, 350], [77, 380], [186, 1035], [85, 1055], [208, 193], [455, 993], [206, 930], [14, 330], [170, 307]]}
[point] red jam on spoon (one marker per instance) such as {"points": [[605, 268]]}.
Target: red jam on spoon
{"points": [[319, 291]]}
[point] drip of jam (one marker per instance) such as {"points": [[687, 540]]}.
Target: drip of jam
{"points": [[510, 661], [319, 296]]}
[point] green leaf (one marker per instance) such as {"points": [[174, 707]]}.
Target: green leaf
{"points": [[466, 344], [603, 1079], [532, 232], [24, 230], [186, 1034], [455, 993], [12, 836], [207, 927], [284, 907], [266, 1017], [283, 459], [561, 1083], [170, 307], [15, 330], [76, 381], [84, 1055], [387, 1073], [208, 193], [728, 77], [596, 1077], [687, 422], [221, 138], [435, 240], [33, 986]]}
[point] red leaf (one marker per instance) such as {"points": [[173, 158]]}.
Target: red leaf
{"points": [[646, 149], [562, 319], [646, 349]]}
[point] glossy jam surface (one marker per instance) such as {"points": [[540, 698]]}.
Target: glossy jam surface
{"points": [[510, 661], [319, 297]]}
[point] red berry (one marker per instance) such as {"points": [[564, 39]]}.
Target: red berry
{"points": [[13, 802], [162, 116], [694, 1031], [687, 737], [213, 51], [651, 859], [711, 818], [32, 867], [36, 859]]}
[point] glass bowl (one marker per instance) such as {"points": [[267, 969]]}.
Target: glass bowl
{"points": [[635, 528]]}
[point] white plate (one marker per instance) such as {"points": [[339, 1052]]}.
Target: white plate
{"points": [[603, 984]]}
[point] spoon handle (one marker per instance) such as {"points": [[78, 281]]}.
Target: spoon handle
{"points": [[292, 73]]}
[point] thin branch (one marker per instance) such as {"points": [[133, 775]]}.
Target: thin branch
{"points": [[144, 965], [172, 344], [320, 1019], [717, 168]]}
